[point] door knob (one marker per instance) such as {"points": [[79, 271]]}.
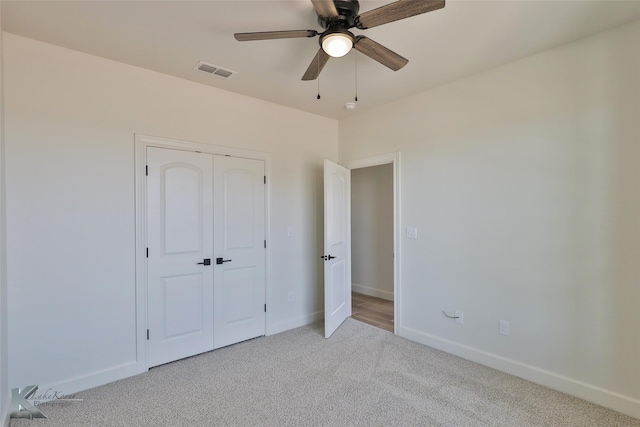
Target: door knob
{"points": [[327, 257], [220, 260], [206, 261]]}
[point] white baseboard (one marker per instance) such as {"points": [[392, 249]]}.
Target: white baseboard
{"points": [[295, 323], [91, 380], [597, 395], [132, 368], [372, 292]]}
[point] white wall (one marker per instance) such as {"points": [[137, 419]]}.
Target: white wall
{"points": [[523, 182], [70, 124], [372, 230], [4, 366]]}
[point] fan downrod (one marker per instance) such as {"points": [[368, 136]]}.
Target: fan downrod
{"points": [[347, 12]]}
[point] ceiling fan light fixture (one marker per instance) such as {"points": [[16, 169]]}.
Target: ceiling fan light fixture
{"points": [[337, 44], [337, 17]]}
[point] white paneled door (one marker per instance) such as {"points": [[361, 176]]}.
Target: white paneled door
{"points": [[239, 291], [337, 246], [187, 291]]}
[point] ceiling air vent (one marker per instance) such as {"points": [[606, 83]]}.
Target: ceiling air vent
{"points": [[214, 69]]}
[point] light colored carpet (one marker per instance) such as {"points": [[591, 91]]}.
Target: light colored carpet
{"points": [[362, 376]]}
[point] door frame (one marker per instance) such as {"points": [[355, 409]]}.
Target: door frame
{"points": [[140, 160], [394, 159]]}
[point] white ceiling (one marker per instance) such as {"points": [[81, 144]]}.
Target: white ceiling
{"points": [[464, 38]]}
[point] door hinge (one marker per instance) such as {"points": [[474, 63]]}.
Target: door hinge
{"points": [[147, 252], [146, 170], [265, 308], [265, 244], [147, 334], [265, 179]]}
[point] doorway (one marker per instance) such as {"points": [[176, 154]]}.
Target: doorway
{"points": [[372, 243], [380, 186]]}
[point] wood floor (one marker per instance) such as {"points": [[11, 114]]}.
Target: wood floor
{"points": [[374, 311]]}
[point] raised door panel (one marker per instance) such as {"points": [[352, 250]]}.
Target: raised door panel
{"points": [[182, 210], [336, 227], [183, 305], [239, 297], [339, 288], [239, 209]]}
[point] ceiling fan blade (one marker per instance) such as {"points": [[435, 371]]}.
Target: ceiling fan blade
{"points": [[271, 35], [325, 8], [395, 11], [376, 51], [317, 64]]}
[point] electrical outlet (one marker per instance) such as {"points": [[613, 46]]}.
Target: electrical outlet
{"points": [[290, 296], [412, 233], [290, 231], [504, 327], [459, 315]]}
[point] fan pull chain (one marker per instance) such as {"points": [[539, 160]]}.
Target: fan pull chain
{"points": [[356, 55], [318, 63]]}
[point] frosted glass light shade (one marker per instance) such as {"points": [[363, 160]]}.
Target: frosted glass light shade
{"points": [[337, 45]]}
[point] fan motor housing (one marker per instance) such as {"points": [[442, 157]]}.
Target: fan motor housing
{"points": [[347, 12]]}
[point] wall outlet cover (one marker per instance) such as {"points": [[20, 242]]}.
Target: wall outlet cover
{"points": [[504, 327]]}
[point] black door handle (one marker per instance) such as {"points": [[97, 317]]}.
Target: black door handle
{"points": [[206, 261], [220, 260], [327, 257]]}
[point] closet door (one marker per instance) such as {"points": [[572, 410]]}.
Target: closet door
{"points": [[180, 241], [239, 247]]}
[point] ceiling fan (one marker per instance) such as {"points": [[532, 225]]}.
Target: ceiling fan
{"points": [[337, 17]]}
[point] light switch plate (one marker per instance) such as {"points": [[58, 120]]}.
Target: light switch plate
{"points": [[504, 327], [412, 233], [289, 231]]}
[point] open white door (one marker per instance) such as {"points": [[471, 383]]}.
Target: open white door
{"points": [[337, 246]]}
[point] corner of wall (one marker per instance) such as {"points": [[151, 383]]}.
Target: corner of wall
{"points": [[4, 366]]}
